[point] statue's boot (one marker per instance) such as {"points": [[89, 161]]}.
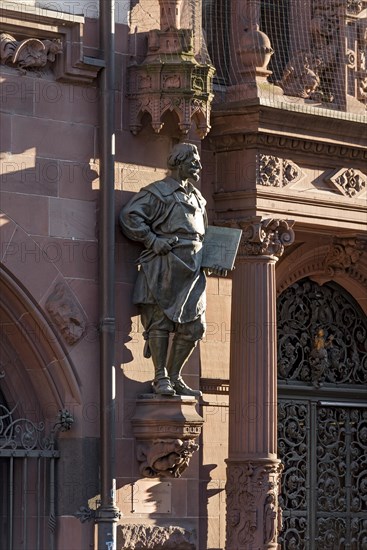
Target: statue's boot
{"points": [[180, 352], [158, 346]]}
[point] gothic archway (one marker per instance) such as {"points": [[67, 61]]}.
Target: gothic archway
{"points": [[36, 381], [322, 417]]}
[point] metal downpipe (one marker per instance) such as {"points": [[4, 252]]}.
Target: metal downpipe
{"points": [[107, 514]]}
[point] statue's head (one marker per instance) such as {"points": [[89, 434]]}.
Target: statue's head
{"points": [[185, 158]]}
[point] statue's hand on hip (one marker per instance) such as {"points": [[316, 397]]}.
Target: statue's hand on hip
{"points": [[162, 246]]}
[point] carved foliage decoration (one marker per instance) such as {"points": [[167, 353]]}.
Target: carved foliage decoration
{"points": [[343, 254], [165, 457], [276, 172], [253, 516], [30, 53], [322, 337], [152, 537], [66, 313], [348, 181]]}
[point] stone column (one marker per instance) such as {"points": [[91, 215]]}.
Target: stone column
{"points": [[253, 470]]}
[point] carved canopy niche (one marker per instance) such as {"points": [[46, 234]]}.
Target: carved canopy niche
{"points": [[170, 79]]}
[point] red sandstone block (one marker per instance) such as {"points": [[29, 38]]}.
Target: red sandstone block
{"points": [[5, 132], [17, 92], [7, 228], [61, 140], [29, 175], [77, 180], [29, 211], [73, 258], [65, 102], [24, 258], [74, 219]]}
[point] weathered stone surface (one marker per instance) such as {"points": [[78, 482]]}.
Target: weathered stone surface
{"points": [[146, 537]]}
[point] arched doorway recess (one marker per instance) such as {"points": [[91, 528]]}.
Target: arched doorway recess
{"points": [[322, 417]]}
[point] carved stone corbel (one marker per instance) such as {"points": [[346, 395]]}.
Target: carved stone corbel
{"points": [[165, 430]]}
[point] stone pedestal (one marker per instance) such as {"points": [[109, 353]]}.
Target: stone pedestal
{"points": [[253, 470], [165, 429]]}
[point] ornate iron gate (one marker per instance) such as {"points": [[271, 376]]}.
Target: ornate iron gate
{"points": [[27, 481], [322, 418]]}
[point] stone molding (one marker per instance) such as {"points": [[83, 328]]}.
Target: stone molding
{"points": [[254, 140], [165, 429], [66, 313], [262, 237], [37, 33], [155, 537], [253, 511]]}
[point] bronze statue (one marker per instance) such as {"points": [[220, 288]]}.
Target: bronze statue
{"points": [[169, 218]]}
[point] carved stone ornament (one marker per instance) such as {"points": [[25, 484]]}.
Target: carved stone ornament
{"points": [[266, 237], [276, 172], [354, 6], [254, 518], [35, 39], [66, 313], [165, 457], [348, 181], [170, 79], [300, 77], [154, 537], [165, 429], [343, 254], [30, 53]]}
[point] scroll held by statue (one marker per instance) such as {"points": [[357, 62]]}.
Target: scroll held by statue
{"points": [[220, 247]]}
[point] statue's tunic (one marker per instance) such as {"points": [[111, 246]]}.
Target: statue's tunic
{"points": [[174, 281]]}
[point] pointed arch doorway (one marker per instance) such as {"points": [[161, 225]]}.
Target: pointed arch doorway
{"points": [[322, 418], [37, 381]]}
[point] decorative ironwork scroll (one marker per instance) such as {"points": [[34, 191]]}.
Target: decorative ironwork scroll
{"points": [[322, 338], [323, 444]]}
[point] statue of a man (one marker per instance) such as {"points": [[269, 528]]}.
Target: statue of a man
{"points": [[169, 218]]}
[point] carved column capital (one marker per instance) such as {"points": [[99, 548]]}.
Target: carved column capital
{"points": [[253, 515], [263, 237]]}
